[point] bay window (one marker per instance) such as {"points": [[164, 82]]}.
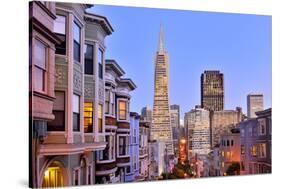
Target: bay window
{"points": [[40, 66], [59, 30], [88, 117], [108, 152], [76, 41], [122, 110], [100, 120], [89, 58], [59, 111], [76, 112]]}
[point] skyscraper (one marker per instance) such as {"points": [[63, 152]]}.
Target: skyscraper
{"points": [[212, 90], [175, 125], [146, 114], [198, 123], [254, 104], [161, 122]]}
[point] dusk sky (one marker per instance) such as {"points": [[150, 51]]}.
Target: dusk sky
{"points": [[238, 45]]}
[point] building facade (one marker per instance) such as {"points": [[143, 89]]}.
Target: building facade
{"points": [[254, 104], [256, 144], [157, 164], [198, 124], [114, 163], [212, 90], [143, 150], [161, 123], [229, 150], [66, 155], [223, 121], [42, 42], [133, 170], [175, 124]]}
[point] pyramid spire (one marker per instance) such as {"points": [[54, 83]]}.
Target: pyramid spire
{"points": [[161, 41]]}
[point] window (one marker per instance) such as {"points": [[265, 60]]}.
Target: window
{"points": [[227, 142], [76, 177], [40, 66], [100, 122], [89, 58], [76, 112], [128, 169], [76, 42], [59, 29], [250, 131], [107, 101], [123, 150], [222, 153], [232, 142], [242, 149], [88, 117], [59, 111], [89, 175], [108, 152], [105, 152], [262, 150], [100, 62], [254, 150], [122, 110], [262, 127], [242, 132]]}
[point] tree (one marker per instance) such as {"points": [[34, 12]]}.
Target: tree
{"points": [[233, 169]]}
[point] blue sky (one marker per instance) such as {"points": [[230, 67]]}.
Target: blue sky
{"points": [[239, 45]]}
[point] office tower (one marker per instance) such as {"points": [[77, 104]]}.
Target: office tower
{"points": [[254, 104], [161, 122], [212, 90]]}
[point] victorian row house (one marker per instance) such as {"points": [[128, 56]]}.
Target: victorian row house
{"points": [[79, 104]]}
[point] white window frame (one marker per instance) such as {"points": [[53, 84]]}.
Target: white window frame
{"points": [[260, 150], [127, 145], [127, 110], [262, 123], [79, 176]]}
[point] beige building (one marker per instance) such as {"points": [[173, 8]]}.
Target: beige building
{"points": [[198, 124], [223, 121], [161, 122], [254, 104]]}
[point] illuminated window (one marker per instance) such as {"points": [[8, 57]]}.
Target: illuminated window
{"points": [[40, 66], [228, 154], [100, 121], [76, 112], [122, 110], [59, 112], [53, 176], [222, 153], [88, 117], [254, 150]]}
